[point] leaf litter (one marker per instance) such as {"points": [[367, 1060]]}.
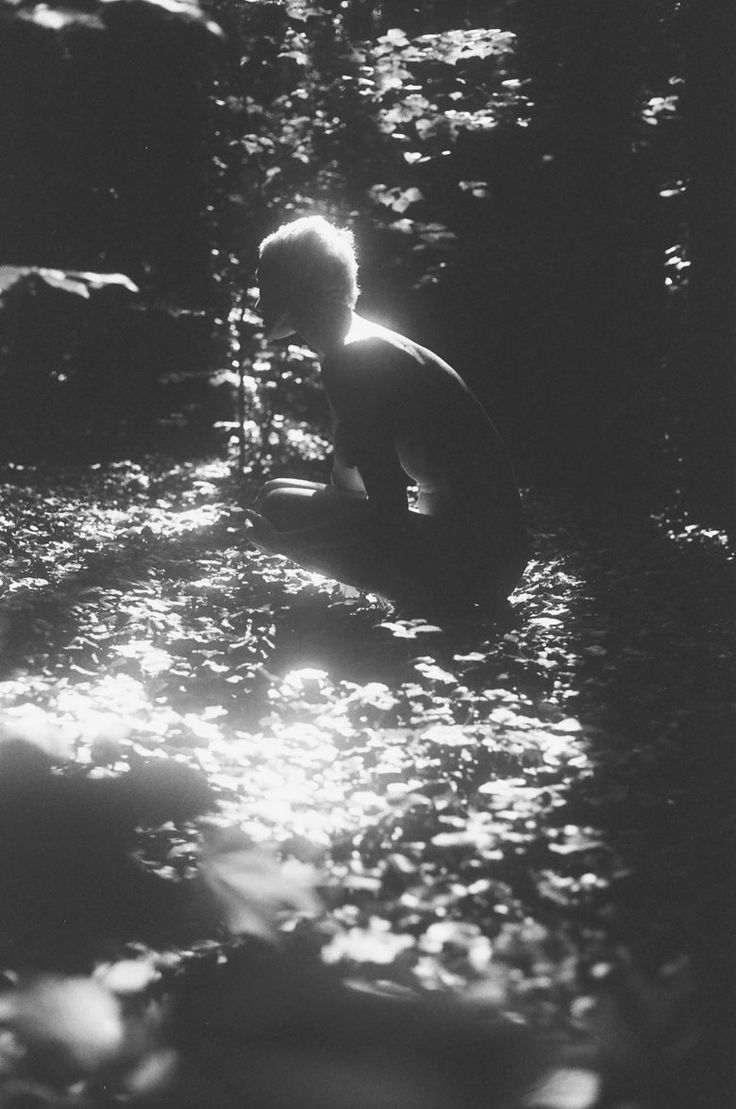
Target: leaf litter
{"points": [[466, 807]]}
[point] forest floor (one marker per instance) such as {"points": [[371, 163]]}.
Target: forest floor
{"points": [[532, 812]]}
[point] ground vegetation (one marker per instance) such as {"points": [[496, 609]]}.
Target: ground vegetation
{"points": [[265, 840]]}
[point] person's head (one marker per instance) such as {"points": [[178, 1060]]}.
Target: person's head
{"points": [[306, 267]]}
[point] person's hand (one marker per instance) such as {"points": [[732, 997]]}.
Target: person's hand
{"points": [[262, 532]]}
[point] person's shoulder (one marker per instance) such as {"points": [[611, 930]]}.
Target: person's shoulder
{"points": [[372, 347], [367, 354], [368, 339], [384, 343]]}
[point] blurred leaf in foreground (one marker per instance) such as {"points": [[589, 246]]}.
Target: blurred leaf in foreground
{"points": [[252, 888], [66, 1027]]}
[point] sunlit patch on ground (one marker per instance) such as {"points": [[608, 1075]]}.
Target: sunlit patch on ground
{"points": [[450, 783]]}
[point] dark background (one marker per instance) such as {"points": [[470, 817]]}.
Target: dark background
{"points": [[585, 287]]}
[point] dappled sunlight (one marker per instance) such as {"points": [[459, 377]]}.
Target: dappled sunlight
{"points": [[164, 522], [685, 533], [438, 786], [173, 659], [268, 840]]}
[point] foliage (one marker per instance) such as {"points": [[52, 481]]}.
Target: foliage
{"points": [[429, 808], [241, 809], [515, 210], [309, 119], [70, 281], [98, 17], [281, 411], [105, 148], [312, 115], [87, 368], [519, 212]]}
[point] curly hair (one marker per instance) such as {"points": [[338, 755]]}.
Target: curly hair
{"points": [[311, 258]]}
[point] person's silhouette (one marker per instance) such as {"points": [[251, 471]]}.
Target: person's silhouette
{"points": [[401, 416]]}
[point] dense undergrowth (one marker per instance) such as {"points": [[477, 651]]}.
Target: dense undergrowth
{"points": [[220, 753]]}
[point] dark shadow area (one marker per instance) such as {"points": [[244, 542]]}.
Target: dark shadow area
{"points": [[655, 682]]}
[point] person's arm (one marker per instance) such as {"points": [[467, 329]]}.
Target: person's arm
{"points": [[344, 474], [361, 382], [385, 484]]}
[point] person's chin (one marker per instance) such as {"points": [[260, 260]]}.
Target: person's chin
{"points": [[282, 329]]}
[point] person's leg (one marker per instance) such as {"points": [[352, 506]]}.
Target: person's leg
{"points": [[292, 505], [284, 483], [448, 565], [321, 529], [435, 559]]}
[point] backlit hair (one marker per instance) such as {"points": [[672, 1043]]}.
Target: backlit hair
{"points": [[310, 257]]}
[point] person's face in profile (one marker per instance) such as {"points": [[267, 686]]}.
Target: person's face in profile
{"points": [[271, 303]]}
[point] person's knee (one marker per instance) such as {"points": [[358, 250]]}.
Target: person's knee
{"points": [[277, 505], [291, 507], [265, 492], [294, 487]]}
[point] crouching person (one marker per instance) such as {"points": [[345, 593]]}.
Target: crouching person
{"points": [[401, 416]]}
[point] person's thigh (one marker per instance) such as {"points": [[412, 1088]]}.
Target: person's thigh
{"points": [[290, 506], [279, 483], [287, 506]]}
